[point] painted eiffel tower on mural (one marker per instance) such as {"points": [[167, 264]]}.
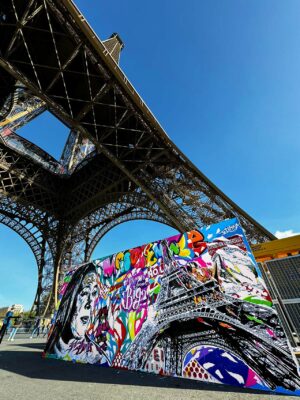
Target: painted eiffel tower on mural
{"points": [[118, 163], [184, 298]]}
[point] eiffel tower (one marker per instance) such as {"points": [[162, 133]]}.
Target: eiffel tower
{"points": [[118, 164]]}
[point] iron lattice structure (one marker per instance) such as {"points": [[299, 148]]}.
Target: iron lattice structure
{"points": [[118, 163]]}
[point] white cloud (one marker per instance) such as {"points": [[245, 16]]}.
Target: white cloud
{"points": [[285, 234]]}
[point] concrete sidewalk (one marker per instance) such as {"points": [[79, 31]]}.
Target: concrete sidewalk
{"points": [[25, 375]]}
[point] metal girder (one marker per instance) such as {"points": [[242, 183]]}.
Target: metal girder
{"points": [[18, 109], [25, 181]]}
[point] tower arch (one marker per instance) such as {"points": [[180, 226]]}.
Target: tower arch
{"points": [[36, 240]]}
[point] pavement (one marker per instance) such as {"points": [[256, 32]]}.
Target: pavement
{"points": [[24, 374]]}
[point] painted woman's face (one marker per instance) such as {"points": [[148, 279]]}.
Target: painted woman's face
{"points": [[84, 305]]}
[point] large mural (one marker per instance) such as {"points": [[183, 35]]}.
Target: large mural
{"points": [[193, 305]]}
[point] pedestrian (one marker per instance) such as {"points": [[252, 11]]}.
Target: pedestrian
{"points": [[47, 324], [6, 323], [16, 326], [36, 328], [42, 325]]}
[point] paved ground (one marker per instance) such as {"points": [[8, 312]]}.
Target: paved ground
{"points": [[25, 375]]}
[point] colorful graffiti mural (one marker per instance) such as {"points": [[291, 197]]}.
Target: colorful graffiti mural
{"points": [[193, 305]]}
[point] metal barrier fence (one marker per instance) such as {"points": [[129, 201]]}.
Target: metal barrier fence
{"points": [[25, 330]]}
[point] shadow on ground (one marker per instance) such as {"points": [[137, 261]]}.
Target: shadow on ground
{"points": [[34, 345], [25, 358]]}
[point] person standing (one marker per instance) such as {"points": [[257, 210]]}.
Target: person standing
{"points": [[16, 326], [36, 328], [46, 329], [6, 323]]}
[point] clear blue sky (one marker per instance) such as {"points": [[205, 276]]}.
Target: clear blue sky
{"points": [[223, 79]]}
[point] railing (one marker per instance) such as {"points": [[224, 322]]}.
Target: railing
{"points": [[25, 329]]}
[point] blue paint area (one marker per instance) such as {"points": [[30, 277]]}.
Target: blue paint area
{"points": [[222, 365]]}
